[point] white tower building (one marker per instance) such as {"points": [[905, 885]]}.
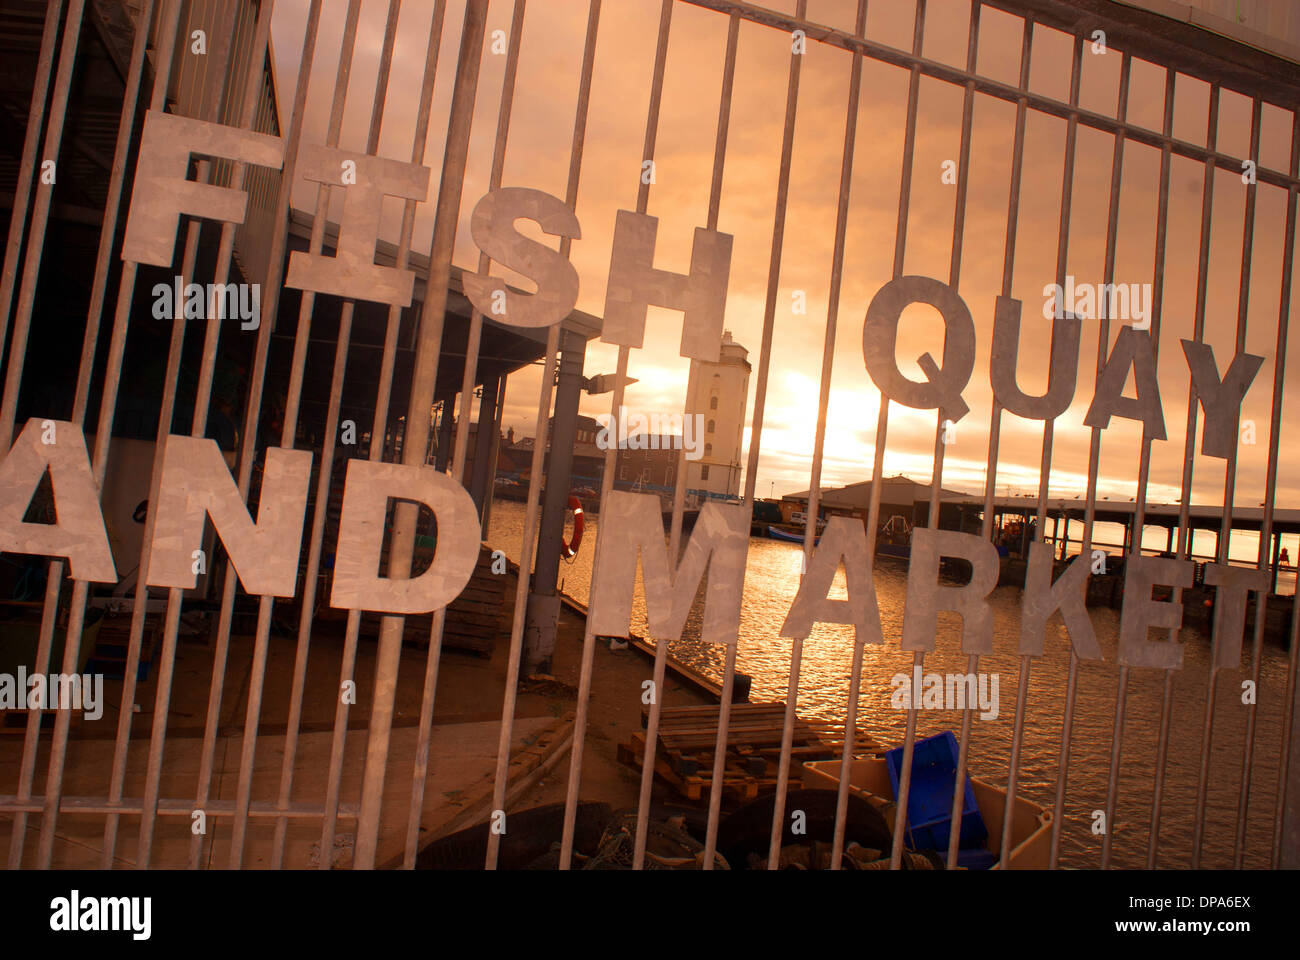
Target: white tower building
{"points": [[719, 399]]}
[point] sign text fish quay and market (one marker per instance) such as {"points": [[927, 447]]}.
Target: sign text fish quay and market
{"points": [[196, 481]]}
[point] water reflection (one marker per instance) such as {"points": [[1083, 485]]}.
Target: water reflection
{"points": [[771, 580]]}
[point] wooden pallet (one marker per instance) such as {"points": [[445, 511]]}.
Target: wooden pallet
{"points": [[736, 781], [111, 647], [687, 740], [473, 619]]}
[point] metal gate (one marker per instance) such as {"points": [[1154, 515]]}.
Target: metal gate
{"points": [[234, 89]]}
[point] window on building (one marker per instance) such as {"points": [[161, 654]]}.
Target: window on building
{"points": [[712, 426], [704, 472], [708, 449], [713, 402]]}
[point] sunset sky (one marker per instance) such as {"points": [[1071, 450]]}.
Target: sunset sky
{"points": [[538, 157]]}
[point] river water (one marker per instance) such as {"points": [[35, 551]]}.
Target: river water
{"points": [[771, 581]]}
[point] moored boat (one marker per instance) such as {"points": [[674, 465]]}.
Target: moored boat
{"points": [[789, 536], [1031, 823]]}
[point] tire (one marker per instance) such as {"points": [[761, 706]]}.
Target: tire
{"points": [[749, 829], [528, 838]]}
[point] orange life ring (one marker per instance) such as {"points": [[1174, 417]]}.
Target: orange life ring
{"points": [[569, 550]]}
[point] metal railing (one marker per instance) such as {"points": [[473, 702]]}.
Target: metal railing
{"points": [[244, 99]]}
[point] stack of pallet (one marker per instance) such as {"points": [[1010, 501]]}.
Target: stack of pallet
{"points": [[473, 619], [112, 644], [688, 738]]}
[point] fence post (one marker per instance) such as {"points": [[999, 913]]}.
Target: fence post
{"points": [[1289, 854], [543, 602]]}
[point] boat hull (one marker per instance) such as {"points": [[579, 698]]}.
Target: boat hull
{"points": [[894, 551], [776, 533], [1031, 824]]}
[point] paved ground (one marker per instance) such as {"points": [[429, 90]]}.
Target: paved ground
{"points": [[463, 747]]}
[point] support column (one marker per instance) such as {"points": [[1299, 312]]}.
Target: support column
{"points": [[481, 465], [445, 424], [543, 601], [485, 515]]}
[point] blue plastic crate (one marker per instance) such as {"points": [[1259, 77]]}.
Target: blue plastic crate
{"points": [[976, 859], [929, 798]]}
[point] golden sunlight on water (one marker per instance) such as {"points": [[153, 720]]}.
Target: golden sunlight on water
{"points": [[771, 581]]}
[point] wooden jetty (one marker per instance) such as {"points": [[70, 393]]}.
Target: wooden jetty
{"points": [[688, 737]]}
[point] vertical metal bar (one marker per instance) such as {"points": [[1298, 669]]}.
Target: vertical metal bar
{"points": [[139, 610], [751, 472], [54, 775], [1279, 363], [823, 402], [528, 543], [588, 640], [1166, 705], [253, 707], [1144, 462], [381, 80], [415, 443], [112, 208], [238, 171], [469, 374], [995, 423], [814, 492], [607, 475], [252, 412], [1185, 544], [54, 576], [1045, 463], [112, 377], [873, 512], [1224, 540], [49, 611], [433, 656], [1220, 550], [1270, 483], [36, 232], [1094, 450], [324, 477], [27, 169], [679, 481], [378, 431]]}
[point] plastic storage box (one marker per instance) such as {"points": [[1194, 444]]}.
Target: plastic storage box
{"points": [[1030, 823], [929, 797]]}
